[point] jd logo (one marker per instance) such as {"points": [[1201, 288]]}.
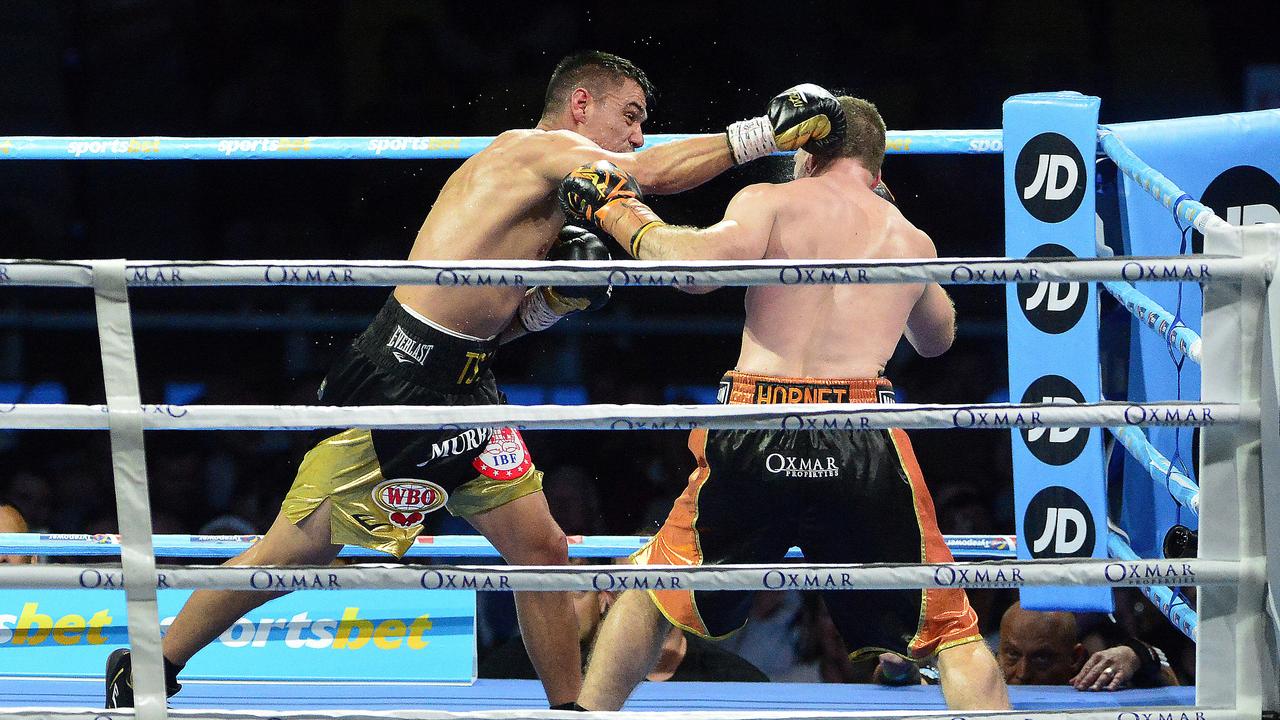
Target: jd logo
{"points": [[1054, 446], [1049, 177], [1052, 307], [1242, 195], [1058, 524]]}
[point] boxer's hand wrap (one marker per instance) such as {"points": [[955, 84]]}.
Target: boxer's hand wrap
{"points": [[543, 307], [803, 116], [609, 198]]}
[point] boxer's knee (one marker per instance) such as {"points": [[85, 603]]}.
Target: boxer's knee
{"points": [[550, 547]]}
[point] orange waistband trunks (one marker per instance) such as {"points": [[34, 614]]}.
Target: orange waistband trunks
{"points": [[841, 496]]}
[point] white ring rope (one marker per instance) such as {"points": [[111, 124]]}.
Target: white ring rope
{"points": [[835, 416], [872, 576], [1178, 712], [472, 273]]}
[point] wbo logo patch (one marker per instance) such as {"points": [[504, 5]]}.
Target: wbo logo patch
{"points": [[407, 502]]}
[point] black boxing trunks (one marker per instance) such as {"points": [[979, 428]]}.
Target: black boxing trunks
{"points": [[841, 496], [384, 483]]}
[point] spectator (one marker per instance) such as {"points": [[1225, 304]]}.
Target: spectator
{"points": [[11, 521], [1043, 648], [32, 493]]}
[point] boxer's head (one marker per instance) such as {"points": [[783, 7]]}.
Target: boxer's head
{"points": [[600, 96], [864, 140]]}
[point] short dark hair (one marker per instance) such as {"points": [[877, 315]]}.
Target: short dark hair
{"points": [[593, 70], [864, 135]]}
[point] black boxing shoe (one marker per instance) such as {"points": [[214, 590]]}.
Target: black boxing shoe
{"points": [[119, 676]]}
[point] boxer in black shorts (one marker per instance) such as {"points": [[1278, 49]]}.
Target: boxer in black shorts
{"points": [[843, 497], [840, 496], [384, 483]]}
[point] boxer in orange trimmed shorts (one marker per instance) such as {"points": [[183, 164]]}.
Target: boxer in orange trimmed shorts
{"points": [[842, 496]]}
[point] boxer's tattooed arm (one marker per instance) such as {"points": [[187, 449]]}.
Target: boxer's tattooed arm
{"points": [[743, 234]]}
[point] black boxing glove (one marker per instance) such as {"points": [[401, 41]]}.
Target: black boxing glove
{"points": [[543, 306], [575, 243], [604, 195], [803, 116]]}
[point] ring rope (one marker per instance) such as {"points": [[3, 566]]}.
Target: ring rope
{"points": [[1180, 487], [226, 546], [1170, 604], [455, 273], [865, 576], [786, 417], [1154, 317], [152, 147], [1161, 188], [1175, 712]]}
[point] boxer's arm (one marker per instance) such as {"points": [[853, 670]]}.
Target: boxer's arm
{"points": [[661, 170], [743, 234], [931, 327]]}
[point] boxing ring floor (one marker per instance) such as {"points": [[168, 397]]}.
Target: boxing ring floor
{"points": [[500, 694]]}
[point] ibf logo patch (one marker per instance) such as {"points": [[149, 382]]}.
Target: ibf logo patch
{"points": [[1049, 177], [1058, 524], [1054, 446], [407, 502], [505, 457], [406, 349], [1052, 307]]}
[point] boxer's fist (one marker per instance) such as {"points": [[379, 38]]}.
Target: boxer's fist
{"points": [[803, 116], [544, 306], [602, 195], [588, 190], [575, 243], [806, 116]]}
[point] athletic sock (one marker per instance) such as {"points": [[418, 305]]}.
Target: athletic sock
{"points": [[171, 671]]}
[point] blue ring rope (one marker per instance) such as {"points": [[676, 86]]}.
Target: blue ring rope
{"points": [[1181, 488], [438, 147], [225, 546], [1171, 604], [1153, 316], [1154, 182]]}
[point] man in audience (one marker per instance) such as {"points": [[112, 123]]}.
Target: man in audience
{"points": [[1043, 648], [11, 521]]}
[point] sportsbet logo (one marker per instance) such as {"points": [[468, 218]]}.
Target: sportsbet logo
{"points": [[31, 627], [351, 632]]}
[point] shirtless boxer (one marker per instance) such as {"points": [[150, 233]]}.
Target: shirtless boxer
{"points": [[842, 496], [431, 345]]}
